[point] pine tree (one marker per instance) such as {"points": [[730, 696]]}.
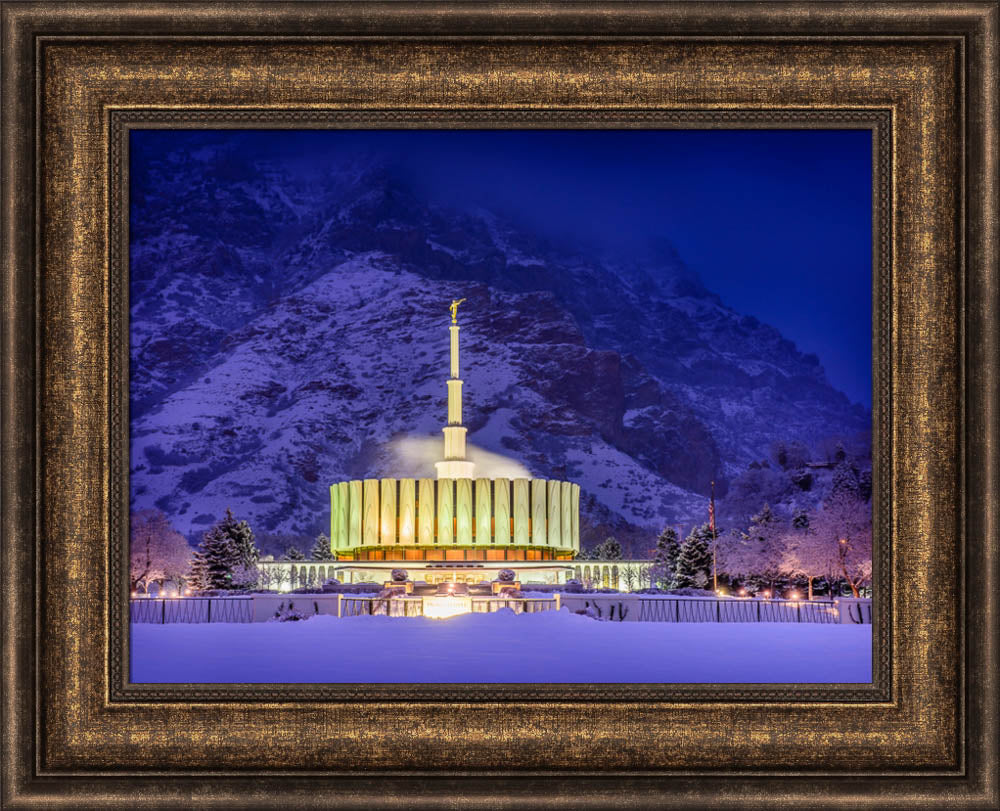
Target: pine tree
{"points": [[226, 550], [668, 547], [845, 482], [245, 551], [694, 558], [321, 549], [209, 569], [292, 553], [609, 550], [245, 554]]}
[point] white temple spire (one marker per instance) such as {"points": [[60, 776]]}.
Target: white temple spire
{"points": [[454, 464]]}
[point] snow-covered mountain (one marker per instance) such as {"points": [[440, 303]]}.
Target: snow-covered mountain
{"points": [[289, 329]]}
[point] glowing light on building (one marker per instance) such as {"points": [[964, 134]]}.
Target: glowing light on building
{"points": [[456, 519], [448, 605]]}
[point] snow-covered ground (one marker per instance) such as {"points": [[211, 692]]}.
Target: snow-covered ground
{"points": [[500, 647]]}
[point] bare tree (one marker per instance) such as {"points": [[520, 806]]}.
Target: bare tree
{"points": [[844, 540], [279, 576], [157, 551]]}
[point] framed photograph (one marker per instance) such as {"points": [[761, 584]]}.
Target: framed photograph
{"points": [[540, 405]]}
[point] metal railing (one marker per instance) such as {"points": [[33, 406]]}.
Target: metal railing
{"points": [[351, 606], [519, 605], [679, 609], [656, 609], [191, 609]]}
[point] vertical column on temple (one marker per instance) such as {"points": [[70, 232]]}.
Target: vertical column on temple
{"points": [[454, 465]]}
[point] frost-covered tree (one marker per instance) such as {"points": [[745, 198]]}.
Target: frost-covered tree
{"points": [[694, 557], [668, 547], [244, 546], [845, 482], [246, 576], [758, 556], [844, 533], [211, 561], [279, 577], [265, 579], [767, 539], [293, 553], [321, 549], [157, 551], [226, 556], [609, 550], [807, 553], [630, 576]]}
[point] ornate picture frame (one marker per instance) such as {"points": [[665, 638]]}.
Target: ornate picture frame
{"points": [[77, 77]]}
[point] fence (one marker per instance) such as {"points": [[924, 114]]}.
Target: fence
{"points": [[518, 605], [674, 609], [241, 609], [352, 606], [649, 609], [191, 609]]}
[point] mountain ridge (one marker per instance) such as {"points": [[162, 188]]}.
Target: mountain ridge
{"points": [[288, 328]]}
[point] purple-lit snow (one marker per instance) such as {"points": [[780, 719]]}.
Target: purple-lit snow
{"points": [[500, 647]]}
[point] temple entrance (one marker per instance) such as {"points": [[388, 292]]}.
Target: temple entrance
{"points": [[437, 578]]}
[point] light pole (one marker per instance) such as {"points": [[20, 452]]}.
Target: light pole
{"points": [[711, 525]]}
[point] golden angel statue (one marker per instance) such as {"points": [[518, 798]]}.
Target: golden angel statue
{"points": [[454, 309]]}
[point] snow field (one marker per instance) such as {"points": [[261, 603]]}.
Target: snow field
{"points": [[503, 647]]}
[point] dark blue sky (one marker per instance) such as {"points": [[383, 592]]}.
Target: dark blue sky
{"points": [[776, 222]]}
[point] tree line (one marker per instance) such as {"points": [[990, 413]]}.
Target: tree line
{"points": [[831, 544], [225, 560]]}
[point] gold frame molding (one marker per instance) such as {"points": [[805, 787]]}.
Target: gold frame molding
{"points": [[76, 77], [877, 121]]}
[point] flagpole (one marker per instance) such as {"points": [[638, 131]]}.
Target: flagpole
{"points": [[711, 522]]}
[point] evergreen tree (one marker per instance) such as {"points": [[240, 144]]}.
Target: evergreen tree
{"points": [[609, 550], [694, 560], [845, 483], [226, 554], [245, 551], [668, 547], [321, 549], [292, 553]]}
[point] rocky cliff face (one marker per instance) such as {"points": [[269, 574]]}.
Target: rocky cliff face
{"points": [[289, 329]]}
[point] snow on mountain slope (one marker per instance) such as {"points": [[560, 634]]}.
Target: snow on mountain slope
{"points": [[289, 329]]}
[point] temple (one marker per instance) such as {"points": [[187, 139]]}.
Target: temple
{"points": [[455, 527]]}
